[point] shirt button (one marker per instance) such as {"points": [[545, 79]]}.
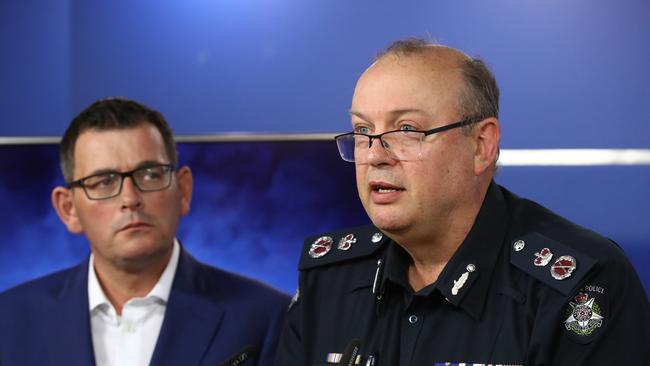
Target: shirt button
{"points": [[413, 319]]}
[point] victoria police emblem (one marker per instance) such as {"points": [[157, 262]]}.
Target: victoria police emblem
{"points": [[584, 315]]}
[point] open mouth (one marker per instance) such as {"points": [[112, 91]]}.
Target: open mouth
{"points": [[383, 187]]}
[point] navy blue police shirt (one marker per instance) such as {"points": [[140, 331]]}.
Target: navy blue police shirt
{"points": [[526, 287]]}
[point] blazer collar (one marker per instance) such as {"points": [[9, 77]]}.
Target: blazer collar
{"points": [[191, 318]]}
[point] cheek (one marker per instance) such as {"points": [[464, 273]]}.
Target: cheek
{"points": [[167, 208], [423, 179], [94, 220], [360, 172], [428, 180]]}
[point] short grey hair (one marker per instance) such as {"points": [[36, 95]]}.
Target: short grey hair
{"points": [[480, 96]]}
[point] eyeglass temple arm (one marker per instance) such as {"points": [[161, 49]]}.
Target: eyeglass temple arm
{"points": [[464, 122]]}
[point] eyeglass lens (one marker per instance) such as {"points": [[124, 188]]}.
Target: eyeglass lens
{"points": [[110, 184], [401, 145]]}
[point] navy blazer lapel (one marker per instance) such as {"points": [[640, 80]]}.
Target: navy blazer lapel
{"points": [[191, 319], [68, 335]]}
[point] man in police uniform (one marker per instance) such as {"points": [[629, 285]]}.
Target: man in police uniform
{"points": [[456, 269]]}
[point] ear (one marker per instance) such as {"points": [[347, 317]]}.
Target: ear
{"points": [[185, 183], [487, 140], [62, 201]]}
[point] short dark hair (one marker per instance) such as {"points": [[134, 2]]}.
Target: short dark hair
{"points": [[112, 114], [480, 98]]}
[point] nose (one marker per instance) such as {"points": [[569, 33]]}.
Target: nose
{"points": [[378, 153], [130, 195]]}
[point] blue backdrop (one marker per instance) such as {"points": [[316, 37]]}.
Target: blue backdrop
{"points": [[572, 73]]}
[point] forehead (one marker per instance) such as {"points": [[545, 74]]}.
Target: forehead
{"points": [[431, 83], [117, 149]]}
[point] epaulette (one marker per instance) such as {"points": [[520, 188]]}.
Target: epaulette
{"points": [[341, 246], [550, 261]]}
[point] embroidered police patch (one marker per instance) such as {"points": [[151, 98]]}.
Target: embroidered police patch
{"points": [[585, 314]]}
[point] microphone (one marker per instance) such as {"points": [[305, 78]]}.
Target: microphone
{"points": [[241, 356], [351, 352]]}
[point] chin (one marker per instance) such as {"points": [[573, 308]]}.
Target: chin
{"points": [[143, 248], [389, 221], [141, 259]]}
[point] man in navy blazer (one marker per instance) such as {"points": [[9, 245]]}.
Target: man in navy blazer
{"points": [[140, 298]]}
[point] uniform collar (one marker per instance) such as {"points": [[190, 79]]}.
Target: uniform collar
{"points": [[396, 264], [480, 249], [465, 280]]}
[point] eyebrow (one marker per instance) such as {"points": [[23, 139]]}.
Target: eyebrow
{"points": [[394, 113], [142, 164]]}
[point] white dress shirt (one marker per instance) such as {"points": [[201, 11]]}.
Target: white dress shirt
{"points": [[128, 339]]}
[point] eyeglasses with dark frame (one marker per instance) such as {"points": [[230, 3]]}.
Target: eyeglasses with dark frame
{"points": [[403, 145], [148, 178]]}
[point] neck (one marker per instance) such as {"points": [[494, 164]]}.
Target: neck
{"points": [[121, 283], [432, 247], [431, 254]]}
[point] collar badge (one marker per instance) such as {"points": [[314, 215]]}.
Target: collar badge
{"points": [[460, 282]]}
